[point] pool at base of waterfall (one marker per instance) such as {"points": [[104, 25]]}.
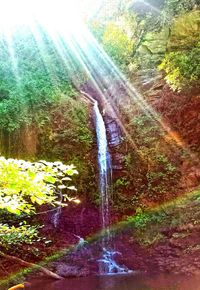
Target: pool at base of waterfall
{"points": [[120, 282]]}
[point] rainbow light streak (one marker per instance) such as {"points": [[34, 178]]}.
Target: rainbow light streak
{"points": [[115, 229]]}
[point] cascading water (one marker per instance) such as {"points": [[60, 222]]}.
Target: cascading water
{"points": [[58, 210], [105, 169], [107, 264]]}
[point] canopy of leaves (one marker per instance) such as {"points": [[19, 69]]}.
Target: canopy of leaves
{"points": [[23, 184], [117, 43]]}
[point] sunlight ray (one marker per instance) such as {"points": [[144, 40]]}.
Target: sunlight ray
{"points": [[87, 55], [35, 29], [96, 81], [93, 68], [96, 64], [9, 41], [131, 90], [69, 94]]}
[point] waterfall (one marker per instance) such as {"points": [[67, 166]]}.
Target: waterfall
{"points": [[58, 210], [105, 169], [107, 264]]}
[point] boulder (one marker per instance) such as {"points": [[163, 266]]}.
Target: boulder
{"points": [[65, 270]]}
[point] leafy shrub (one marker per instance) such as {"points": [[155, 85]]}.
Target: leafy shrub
{"points": [[142, 219], [117, 44], [185, 31], [11, 235], [121, 182], [182, 68], [23, 186]]}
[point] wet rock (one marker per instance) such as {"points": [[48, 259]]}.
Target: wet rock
{"points": [[65, 270], [117, 161], [114, 133]]}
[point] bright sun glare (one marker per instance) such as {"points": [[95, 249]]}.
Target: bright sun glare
{"points": [[54, 14], [63, 21]]}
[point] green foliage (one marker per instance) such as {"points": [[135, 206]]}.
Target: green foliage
{"points": [[148, 225], [143, 219], [121, 201], [24, 184], [146, 130], [185, 31], [160, 172], [181, 64], [115, 42], [32, 77], [182, 68], [159, 176], [151, 167], [11, 235], [67, 135], [121, 182], [67, 120]]}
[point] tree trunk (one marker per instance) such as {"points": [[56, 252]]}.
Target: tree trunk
{"points": [[31, 265]]}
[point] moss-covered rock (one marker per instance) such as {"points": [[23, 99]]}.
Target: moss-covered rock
{"points": [[155, 43]]}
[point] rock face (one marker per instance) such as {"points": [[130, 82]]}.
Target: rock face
{"points": [[115, 139], [155, 43], [180, 114], [118, 161], [113, 133]]}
